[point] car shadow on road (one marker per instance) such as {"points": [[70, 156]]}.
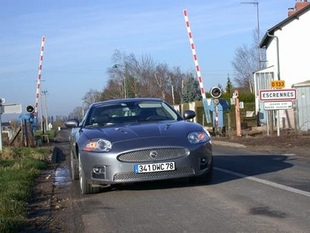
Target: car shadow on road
{"points": [[241, 166], [153, 185]]}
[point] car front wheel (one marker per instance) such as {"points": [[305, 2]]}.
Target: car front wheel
{"points": [[74, 168], [86, 188]]}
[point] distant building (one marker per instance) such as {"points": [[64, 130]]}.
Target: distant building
{"points": [[287, 47], [7, 131], [302, 106]]}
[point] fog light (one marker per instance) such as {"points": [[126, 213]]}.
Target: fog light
{"points": [[96, 170], [99, 172], [203, 163]]}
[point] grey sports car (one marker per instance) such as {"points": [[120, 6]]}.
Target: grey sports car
{"points": [[135, 140]]}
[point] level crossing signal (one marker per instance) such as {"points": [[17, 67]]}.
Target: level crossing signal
{"points": [[30, 109], [216, 92]]}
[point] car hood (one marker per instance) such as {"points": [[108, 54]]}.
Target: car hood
{"points": [[119, 132]]}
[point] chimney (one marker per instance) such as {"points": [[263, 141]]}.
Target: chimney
{"points": [[298, 6]]}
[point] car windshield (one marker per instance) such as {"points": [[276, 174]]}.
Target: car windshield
{"points": [[129, 112]]}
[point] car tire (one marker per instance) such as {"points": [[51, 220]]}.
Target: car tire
{"points": [[74, 168], [86, 188]]}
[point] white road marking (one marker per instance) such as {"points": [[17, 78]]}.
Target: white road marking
{"points": [[273, 184]]}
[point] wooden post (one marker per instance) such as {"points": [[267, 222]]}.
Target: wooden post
{"points": [[237, 111]]}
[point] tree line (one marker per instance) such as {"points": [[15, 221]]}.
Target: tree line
{"points": [[131, 77]]}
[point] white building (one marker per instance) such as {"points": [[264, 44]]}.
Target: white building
{"points": [[287, 47]]}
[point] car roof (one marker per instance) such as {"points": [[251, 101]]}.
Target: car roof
{"points": [[112, 101]]}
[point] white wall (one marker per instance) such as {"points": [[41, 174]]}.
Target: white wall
{"points": [[294, 51]]}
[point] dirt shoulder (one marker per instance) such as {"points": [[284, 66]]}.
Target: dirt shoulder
{"points": [[48, 206], [298, 144]]}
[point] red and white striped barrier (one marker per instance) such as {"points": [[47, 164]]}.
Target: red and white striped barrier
{"points": [[38, 89], [192, 45]]}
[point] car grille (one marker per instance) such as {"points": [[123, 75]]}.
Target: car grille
{"points": [[162, 154], [132, 176]]}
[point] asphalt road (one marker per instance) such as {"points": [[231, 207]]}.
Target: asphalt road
{"points": [[250, 192]]}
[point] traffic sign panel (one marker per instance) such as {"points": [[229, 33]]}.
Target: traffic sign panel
{"points": [[278, 105], [11, 108], [277, 83], [272, 95]]}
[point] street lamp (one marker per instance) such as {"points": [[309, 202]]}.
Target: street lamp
{"points": [[256, 3]]}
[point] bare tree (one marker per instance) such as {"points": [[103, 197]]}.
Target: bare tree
{"points": [[247, 60], [90, 97], [138, 78], [131, 77], [175, 85], [77, 113], [161, 78], [244, 66], [144, 72], [112, 90]]}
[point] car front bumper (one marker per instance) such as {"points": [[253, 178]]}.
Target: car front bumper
{"points": [[113, 168]]}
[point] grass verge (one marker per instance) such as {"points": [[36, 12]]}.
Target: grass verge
{"points": [[18, 169]]}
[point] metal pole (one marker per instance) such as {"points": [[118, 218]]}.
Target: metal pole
{"points": [[278, 54], [41, 117], [45, 108], [278, 122], [216, 119], [256, 3], [279, 78]]}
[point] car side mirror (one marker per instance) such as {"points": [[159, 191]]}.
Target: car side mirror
{"points": [[72, 123], [189, 114]]}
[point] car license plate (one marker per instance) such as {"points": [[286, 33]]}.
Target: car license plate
{"points": [[154, 167]]}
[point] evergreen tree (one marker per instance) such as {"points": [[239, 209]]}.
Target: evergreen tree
{"points": [[191, 90], [229, 87]]}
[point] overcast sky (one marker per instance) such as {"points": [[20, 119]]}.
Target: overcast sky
{"points": [[81, 36]]}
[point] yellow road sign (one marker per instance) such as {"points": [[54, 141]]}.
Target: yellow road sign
{"points": [[277, 84]]}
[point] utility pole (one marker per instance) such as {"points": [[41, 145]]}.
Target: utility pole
{"points": [[44, 93]]}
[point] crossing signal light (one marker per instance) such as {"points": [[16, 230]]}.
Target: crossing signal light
{"points": [[216, 92], [30, 109]]}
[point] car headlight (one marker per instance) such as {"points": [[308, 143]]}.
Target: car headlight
{"points": [[98, 145], [198, 137]]}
